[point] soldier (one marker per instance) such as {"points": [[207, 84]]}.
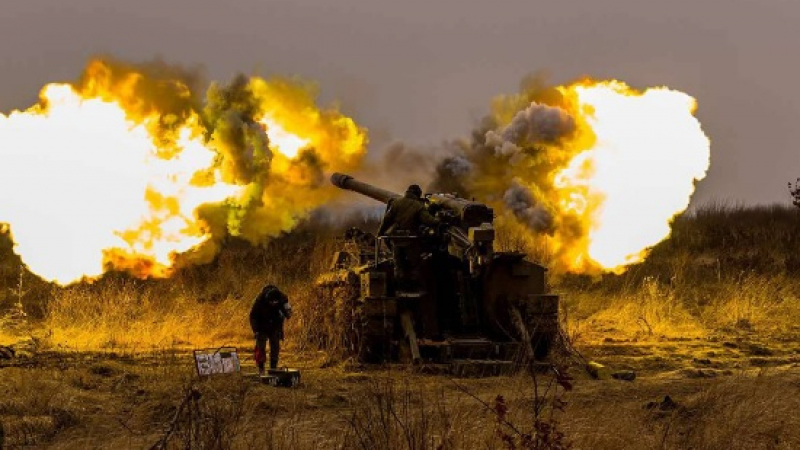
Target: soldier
{"points": [[404, 216], [270, 309]]}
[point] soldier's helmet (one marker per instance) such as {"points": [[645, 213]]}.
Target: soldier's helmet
{"points": [[414, 189]]}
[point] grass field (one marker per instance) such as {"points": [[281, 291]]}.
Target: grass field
{"points": [[711, 319]]}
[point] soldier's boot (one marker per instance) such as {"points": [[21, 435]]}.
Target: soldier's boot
{"points": [[260, 368]]}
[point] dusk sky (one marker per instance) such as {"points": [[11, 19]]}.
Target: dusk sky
{"points": [[424, 72]]}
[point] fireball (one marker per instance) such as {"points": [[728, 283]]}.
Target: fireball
{"points": [[648, 152], [592, 171], [127, 170]]}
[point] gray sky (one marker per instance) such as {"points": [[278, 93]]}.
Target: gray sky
{"points": [[424, 71]]}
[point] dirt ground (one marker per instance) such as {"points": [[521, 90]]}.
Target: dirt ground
{"points": [[735, 389]]}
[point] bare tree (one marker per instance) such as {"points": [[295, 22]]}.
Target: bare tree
{"points": [[794, 191]]}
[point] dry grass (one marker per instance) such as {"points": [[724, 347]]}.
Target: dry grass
{"points": [[726, 271], [202, 306], [123, 318], [651, 309], [130, 404], [739, 412], [723, 267], [767, 304], [34, 407]]}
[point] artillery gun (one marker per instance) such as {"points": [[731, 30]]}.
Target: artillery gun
{"points": [[472, 309]]}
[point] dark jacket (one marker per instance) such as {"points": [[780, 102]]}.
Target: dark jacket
{"points": [[270, 308], [406, 213]]}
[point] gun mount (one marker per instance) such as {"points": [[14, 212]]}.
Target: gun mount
{"points": [[472, 306]]}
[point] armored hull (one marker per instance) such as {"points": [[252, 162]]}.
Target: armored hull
{"points": [[470, 309]]}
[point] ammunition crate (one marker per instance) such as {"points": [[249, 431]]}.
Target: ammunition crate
{"points": [[282, 377]]}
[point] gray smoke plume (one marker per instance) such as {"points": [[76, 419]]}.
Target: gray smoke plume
{"points": [[451, 174], [402, 165], [537, 123], [399, 165], [520, 200], [457, 166]]}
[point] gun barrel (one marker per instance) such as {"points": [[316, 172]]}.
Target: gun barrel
{"points": [[347, 182], [471, 214]]}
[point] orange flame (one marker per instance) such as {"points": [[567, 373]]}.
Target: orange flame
{"points": [[646, 152], [99, 176], [593, 170]]}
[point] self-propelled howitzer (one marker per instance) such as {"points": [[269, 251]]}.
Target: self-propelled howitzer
{"points": [[473, 307], [467, 225]]}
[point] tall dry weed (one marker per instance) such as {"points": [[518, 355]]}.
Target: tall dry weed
{"points": [[758, 302], [123, 316], [33, 409], [653, 308], [202, 306], [740, 414], [395, 414]]}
